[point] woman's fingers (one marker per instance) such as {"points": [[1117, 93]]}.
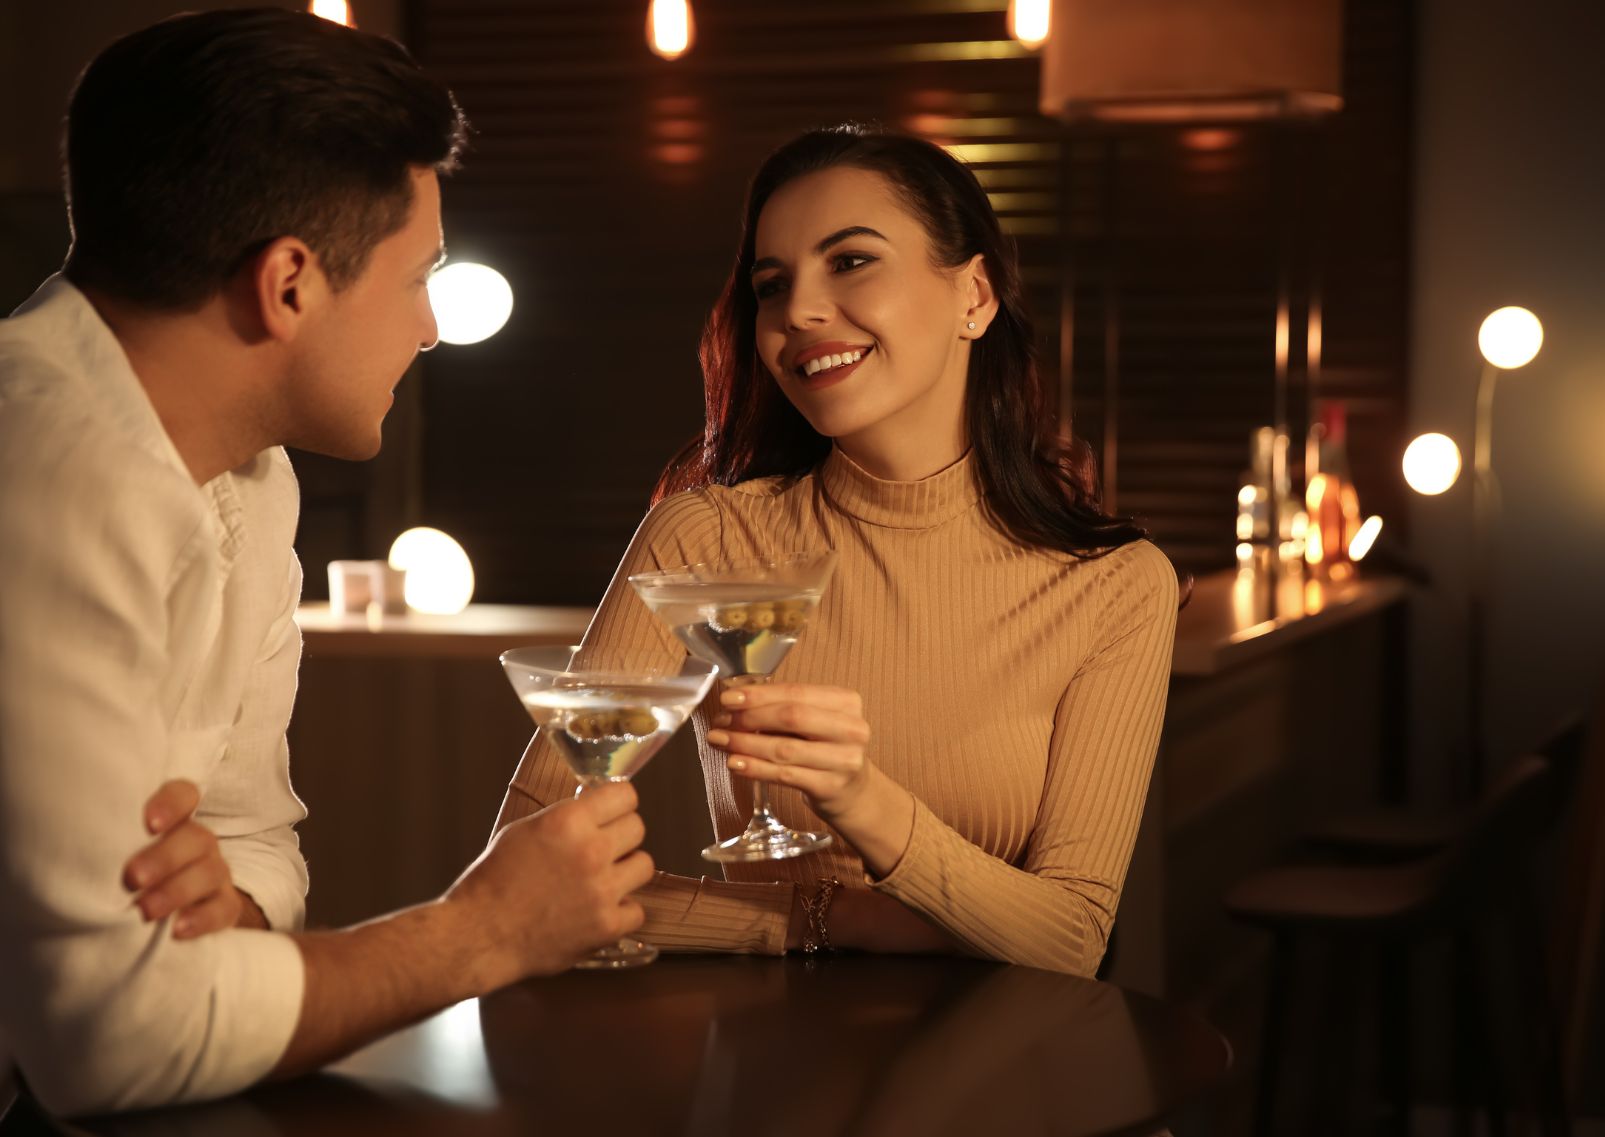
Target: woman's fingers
{"points": [[842, 699], [814, 783], [786, 751], [802, 719]]}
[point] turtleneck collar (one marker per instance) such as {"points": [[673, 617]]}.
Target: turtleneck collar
{"points": [[900, 505]]}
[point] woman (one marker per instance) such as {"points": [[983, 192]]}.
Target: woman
{"points": [[976, 705]]}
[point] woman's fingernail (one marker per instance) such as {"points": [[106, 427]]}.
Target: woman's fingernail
{"points": [[140, 875], [721, 719], [181, 927], [738, 763], [718, 737], [733, 698], [157, 820]]}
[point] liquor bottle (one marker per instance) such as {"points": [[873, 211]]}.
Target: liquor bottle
{"points": [[1330, 499]]}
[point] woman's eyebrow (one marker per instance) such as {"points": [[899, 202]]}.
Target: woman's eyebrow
{"points": [[824, 245]]}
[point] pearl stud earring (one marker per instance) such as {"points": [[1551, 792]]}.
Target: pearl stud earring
{"points": [[970, 325]]}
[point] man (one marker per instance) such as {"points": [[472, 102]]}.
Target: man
{"points": [[255, 206]]}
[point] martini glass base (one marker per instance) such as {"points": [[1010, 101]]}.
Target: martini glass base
{"points": [[625, 953], [766, 839]]}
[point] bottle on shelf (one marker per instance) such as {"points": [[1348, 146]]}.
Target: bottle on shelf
{"points": [[1331, 502]]}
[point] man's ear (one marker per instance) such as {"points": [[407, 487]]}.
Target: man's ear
{"points": [[980, 296], [287, 283]]}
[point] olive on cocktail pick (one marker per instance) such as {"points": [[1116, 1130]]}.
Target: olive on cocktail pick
{"points": [[637, 721]]}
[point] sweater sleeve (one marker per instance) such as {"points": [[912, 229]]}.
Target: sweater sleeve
{"points": [[681, 914], [1054, 911]]}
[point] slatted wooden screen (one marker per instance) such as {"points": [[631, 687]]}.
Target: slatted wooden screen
{"points": [[606, 183]]}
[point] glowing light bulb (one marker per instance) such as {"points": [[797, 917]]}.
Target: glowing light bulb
{"points": [[335, 11], [1510, 337], [1365, 538], [1431, 463], [670, 27], [440, 578], [471, 302], [1029, 20]]}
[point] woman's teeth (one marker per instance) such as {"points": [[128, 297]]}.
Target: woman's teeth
{"points": [[827, 362]]}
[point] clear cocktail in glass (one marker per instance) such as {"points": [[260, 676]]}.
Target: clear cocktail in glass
{"points": [[607, 725], [744, 617]]}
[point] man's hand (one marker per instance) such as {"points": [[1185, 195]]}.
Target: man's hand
{"points": [[554, 886], [183, 870]]}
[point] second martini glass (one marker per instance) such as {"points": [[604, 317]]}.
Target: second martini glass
{"points": [[744, 617], [607, 725]]}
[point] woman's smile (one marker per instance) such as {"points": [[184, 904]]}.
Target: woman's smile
{"points": [[825, 365]]}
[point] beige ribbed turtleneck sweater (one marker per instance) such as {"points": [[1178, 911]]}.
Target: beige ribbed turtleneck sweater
{"points": [[1017, 693]]}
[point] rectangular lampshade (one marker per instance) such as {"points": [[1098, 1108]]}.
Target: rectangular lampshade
{"points": [[1185, 60]]}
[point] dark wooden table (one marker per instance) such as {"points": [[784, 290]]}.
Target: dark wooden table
{"points": [[699, 1046]]}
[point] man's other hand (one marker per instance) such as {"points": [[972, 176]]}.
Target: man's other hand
{"points": [[183, 870]]}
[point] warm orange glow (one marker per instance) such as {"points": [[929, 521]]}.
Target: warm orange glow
{"points": [[1206, 140], [670, 27], [335, 11], [678, 153], [1029, 20]]}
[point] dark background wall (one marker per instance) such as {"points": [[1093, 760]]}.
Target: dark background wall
{"points": [[1509, 186]]}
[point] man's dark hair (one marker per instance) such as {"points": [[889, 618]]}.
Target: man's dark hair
{"points": [[193, 144]]}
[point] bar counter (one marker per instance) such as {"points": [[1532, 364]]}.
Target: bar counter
{"points": [[1285, 699]]}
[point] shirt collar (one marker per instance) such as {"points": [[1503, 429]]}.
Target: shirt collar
{"points": [[97, 363]]}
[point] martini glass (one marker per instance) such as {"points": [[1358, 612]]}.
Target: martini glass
{"points": [[607, 725], [744, 617]]}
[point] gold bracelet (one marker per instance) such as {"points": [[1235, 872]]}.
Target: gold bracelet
{"points": [[817, 908]]}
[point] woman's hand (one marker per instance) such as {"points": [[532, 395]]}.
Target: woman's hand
{"points": [[814, 738]]}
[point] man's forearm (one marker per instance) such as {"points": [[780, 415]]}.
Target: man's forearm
{"points": [[366, 981]]}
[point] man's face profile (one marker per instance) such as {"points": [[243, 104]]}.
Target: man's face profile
{"points": [[365, 336]]}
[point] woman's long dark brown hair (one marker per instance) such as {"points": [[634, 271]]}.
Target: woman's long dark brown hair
{"points": [[1038, 484]]}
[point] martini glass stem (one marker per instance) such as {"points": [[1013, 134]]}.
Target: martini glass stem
{"points": [[760, 790]]}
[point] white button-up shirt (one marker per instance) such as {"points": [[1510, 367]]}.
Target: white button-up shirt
{"points": [[147, 633]]}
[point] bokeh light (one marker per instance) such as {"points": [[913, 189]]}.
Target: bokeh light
{"points": [[471, 302], [1431, 463], [670, 27], [440, 578], [335, 11], [1365, 538], [1510, 337], [1029, 20]]}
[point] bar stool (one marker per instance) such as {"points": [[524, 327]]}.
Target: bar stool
{"points": [[1386, 910]]}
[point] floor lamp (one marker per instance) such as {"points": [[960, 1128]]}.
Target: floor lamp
{"points": [[1509, 339]]}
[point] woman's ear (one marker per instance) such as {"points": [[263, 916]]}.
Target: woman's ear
{"points": [[981, 301]]}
